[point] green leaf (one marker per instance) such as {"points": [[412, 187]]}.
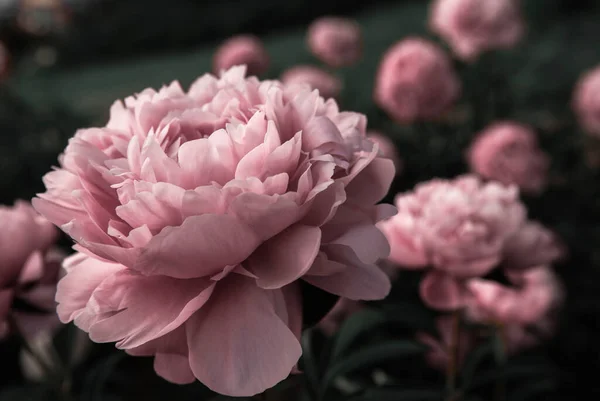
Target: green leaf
{"points": [[399, 395], [309, 364], [410, 316], [356, 325], [474, 361], [368, 357]]}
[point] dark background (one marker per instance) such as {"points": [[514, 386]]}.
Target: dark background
{"points": [[90, 52]]}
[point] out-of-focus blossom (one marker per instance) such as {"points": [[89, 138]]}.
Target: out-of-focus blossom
{"points": [[509, 152], [245, 50], [29, 267], [197, 214], [386, 148], [416, 81], [532, 245], [458, 227], [439, 352], [472, 27], [336, 41], [586, 101], [521, 310], [327, 84]]}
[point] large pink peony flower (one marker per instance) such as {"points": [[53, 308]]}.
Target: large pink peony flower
{"points": [[29, 267], [586, 101], [416, 81], [509, 152], [198, 215], [532, 245], [459, 227], [386, 148], [336, 41], [242, 49], [327, 84], [474, 26]]}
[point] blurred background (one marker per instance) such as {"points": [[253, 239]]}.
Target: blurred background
{"points": [[64, 62]]}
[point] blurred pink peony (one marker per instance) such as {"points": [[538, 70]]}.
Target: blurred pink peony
{"points": [[29, 268], [416, 81], [474, 26], [459, 227], [198, 215], [586, 101], [532, 245], [336, 41], [327, 85], [509, 152], [386, 148], [336, 316], [438, 355], [242, 50], [525, 312]]}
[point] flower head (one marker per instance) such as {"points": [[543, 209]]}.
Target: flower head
{"points": [[416, 81], [242, 50], [509, 152], [473, 26], [29, 267], [586, 101], [386, 148], [200, 215], [327, 85], [337, 41]]}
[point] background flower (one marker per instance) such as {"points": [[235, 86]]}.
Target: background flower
{"points": [[327, 84], [336, 41], [245, 50], [586, 101]]}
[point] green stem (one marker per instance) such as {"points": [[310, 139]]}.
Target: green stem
{"points": [[453, 353], [500, 356]]}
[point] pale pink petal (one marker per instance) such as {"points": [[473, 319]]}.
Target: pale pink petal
{"points": [[221, 355], [442, 291], [174, 368]]}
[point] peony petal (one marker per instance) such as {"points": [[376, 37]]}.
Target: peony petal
{"points": [[134, 318], [201, 246], [222, 357], [75, 289], [373, 183], [442, 291], [285, 257], [367, 241], [358, 281], [174, 368]]}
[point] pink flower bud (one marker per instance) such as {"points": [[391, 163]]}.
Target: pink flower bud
{"points": [[336, 41], [586, 101], [327, 84], [416, 81], [242, 50], [509, 152], [474, 26]]}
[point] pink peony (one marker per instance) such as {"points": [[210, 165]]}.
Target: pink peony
{"points": [[458, 227], [474, 26], [199, 215], [525, 312], [316, 78], [532, 245], [386, 148], [438, 356], [29, 269], [416, 81], [336, 41], [243, 49], [586, 101], [509, 152]]}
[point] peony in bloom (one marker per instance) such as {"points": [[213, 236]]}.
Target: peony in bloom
{"points": [[416, 81], [472, 27], [242, 49], [527, 307], [386, 148], [586, 101], [509, 152], [438, 355], [532, 245], [200, 215], [327, 84], [29, 267], [336, 41], [458, 227]]}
